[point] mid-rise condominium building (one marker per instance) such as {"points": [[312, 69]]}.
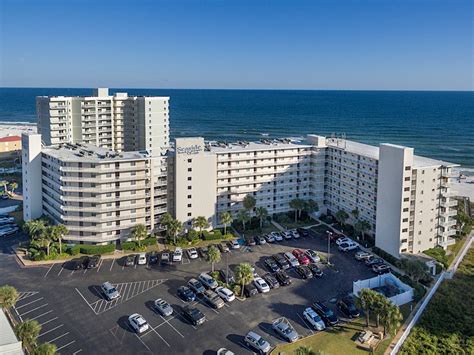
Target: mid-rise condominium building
{"points": [[405, 198]]}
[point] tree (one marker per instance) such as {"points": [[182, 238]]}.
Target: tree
{"points": [[5, 185], [45, 238], [8, 296], [244, 275], [303, 350], [213, 256], [414, 268], [226, 219], [365, 300], [249, 202], [139, 233], [391, 318], [243, 216], [13, 187], [362, 226], [46, 349], [379, 304], [57, 234], [27, 332], [262, 213], [310, 206], [34, 228], [355, 213], [174, 227], [200, 222], [165, 220], [297, 205], [341, 216]]}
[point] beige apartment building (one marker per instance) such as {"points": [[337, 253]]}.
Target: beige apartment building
{"points": [[10, 147], [405, 198]]}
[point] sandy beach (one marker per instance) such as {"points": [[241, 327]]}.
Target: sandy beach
{"points": [[16, 129]]}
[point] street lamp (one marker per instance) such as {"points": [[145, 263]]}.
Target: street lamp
{"points": [[329, 245]]}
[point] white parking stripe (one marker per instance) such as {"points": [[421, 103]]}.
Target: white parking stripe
{"points": [[27, 304], [49, 321], [52, 265], [100, 264], [112, 265], [51, 330], [59, 337], [77, 352], [85, 300], [34, 309], [169, 346], [172, 326], [45, 313], [62, 347], [60, 271]]}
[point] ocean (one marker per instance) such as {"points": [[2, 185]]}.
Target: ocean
{"points": [[439, 125]]}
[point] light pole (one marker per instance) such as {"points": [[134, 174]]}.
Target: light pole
{"points": [[329, 245]]}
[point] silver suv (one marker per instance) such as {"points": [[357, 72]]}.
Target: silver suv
{"points": [[256, 342], [109, 291]]}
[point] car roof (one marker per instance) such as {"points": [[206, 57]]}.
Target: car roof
{"points": [[253, 335]]}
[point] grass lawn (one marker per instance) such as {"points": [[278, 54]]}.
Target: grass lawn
{"points": [[293, 224], [454, 249], [199, 243]]}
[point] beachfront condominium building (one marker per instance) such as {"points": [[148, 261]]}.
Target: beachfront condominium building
{"points": [[406, 199], [97, 193]]}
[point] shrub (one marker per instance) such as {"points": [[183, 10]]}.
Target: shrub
{"points": [[128, 245], [439, 254], [73, 250], [236, 289], [214, 235], [215, 275], [384, 255], [97, 249], [192, 235], [148, 241]]}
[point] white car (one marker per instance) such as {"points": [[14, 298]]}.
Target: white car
{"points": [[314, 319], [288, 235], [295, 233], [178, 254], [343, 240], [192, 253], [235, 244], [347, 246], [261, 285], [291, 259], [226, 294], [141, 260], [277, 236], [313, 256], [138, 323]]}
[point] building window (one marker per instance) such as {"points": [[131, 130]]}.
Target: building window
{"points": [[189, 205], [190, 169], [189, 178], [190, 160], [189, 196], [189, 187], [189, 214]]}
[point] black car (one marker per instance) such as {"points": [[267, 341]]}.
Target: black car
{"points": [[153, 257], [304, 272], [272, 265], [186, 294], [250, 242], [194, 315], [260, 240], [93, 261], [381, 269], [227, 276], [315, 270], [280, 259], [302, 232], [250, 290], [271, 280], [77, 264], [203, 252], [347, 306], [130, 260], [325, 313], [283, 278], [373, 261]]}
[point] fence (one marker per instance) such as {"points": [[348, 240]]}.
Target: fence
{"points": [[386, 280]]}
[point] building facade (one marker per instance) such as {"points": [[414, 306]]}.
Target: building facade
{"points": [[10, 147]]}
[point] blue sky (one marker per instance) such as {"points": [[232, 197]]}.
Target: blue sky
{"points": [[318, 44]]}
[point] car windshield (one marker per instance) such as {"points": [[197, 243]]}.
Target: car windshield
{"points": [[261, 342], [287, 330], [112, 290], [329, 313]]}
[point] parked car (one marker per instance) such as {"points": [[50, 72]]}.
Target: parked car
{"points": [[223, 248], [93, 261], [138, 323], [153, 257], [295, 233], [280, 259], [381, 269], [109, 291], [348, 307], [196, 286], [186, 294], [141, 259], [304, 272], [271, 280], [287, 235], [250, 242], [269, 238], [326, 314], [283, 278], [192, 253], [285, 330], [257, 343], [348, 246], [226, 294], [313, 319], [362, 255], [8, 231], [261, 285], [163, 307], [130, 260], [194, 315], [208, 281], [271, 265], [234, 244], [260, 240], [303, 232], [250, 290], [291, 259], [5, 220], [213, 299], [315, 270], [278, 237], [227, 276], [178, 255], [312, 255], [76, 264], [301, 256], [165, 257], [373, 261], [341, 240], [203, 252]]}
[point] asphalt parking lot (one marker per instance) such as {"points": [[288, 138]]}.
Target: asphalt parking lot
{"points": [[97, 326]]}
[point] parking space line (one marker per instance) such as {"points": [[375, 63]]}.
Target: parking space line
{"points": [[27, 304], [34, 309], [85, 300], [306, 322], [51, 330], [60, 271], [112, 265], [52, 265], [100, 264], [45, 313], [185, 320], [49, 321], [62, 347], [169, 346], [123, 266], [77, 352], [85, 270], [172, 326], [59, 337], [72, 272]]}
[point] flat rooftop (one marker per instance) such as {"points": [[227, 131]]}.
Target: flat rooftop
{"points": [[90, 153], [244, 146]]}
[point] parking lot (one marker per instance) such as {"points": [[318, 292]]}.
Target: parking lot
{"points": [[100, 326]]}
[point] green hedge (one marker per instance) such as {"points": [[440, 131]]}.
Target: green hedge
{"points": [[384, 255], [134, 245], [128, 245], [211, 235], [439, 254], [97, 249]]}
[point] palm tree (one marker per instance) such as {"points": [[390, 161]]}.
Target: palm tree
{"points": [[200, 222], [34, 228], [391, 318], [378, 307], [303, 350], [174, 227], [294, 205], [27, 332], [361, 227], [262, 213], [57, 233], [355, 213], [365, 301], [243, 216], [226, 219], [8, 296], [5, 185], [249, 202], [46, 349], [13, 186], [341, 216], [45, 238], [139, 233], [310, 206], [244, 275], [165, 220], [214, 256]]}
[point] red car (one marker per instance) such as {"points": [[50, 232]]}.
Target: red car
{"points": [[300, 255]]}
